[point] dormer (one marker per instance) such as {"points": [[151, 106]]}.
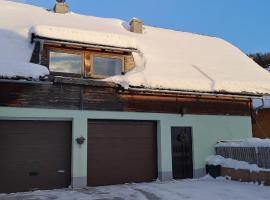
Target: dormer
{"points": [[82, 53]]}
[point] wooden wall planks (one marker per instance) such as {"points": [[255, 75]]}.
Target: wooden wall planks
{"points": [[112, 98]]}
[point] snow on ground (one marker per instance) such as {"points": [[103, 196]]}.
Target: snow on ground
{"points": [[205, 188], [249, 142], [169, 60], [235, 164]]}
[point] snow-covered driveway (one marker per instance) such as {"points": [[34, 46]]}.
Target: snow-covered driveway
{"points": [[196, 189]]}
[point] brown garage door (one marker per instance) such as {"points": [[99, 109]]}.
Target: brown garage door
{"points": [[121, 152], [34, 155]]}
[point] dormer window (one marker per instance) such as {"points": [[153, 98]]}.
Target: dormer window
{"points": [[104, 66], [65, 62], [82, 53], [79, 61]]}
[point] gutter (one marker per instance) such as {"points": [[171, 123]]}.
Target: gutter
{"points": [[265, 103], [196, 93]]}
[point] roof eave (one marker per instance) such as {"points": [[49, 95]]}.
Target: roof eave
{"points": [[81, 44], [200, 93]]}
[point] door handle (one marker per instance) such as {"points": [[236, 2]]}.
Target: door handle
{"points": [[61, 171]]}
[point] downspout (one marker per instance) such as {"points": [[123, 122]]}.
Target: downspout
{"points": [[256, 110], [260, 107]]}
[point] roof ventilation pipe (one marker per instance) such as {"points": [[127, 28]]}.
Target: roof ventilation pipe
{"points": [[136, 25]]}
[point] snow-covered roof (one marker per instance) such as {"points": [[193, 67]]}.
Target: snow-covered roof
{"points": [[167, 59], [84, 36], [21, 69]]}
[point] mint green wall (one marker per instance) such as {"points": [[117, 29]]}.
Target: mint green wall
{"points": [[207, 130]]}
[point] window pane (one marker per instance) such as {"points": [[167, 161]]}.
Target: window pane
{"points": [[107, 66], [65, 62]]}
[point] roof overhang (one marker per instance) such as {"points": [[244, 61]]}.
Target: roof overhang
{"points": [[35, 38], [196, 93]]}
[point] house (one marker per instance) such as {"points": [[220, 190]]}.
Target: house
{"points": [[88, 101], [261, 117], [260, 126]]}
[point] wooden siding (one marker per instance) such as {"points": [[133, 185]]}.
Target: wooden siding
{"points": [[109, 97], [261, 124], [35, 58], [184, 104], [243, 175]]}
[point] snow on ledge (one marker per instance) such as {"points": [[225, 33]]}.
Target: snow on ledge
{"points": [[250, 142], [11, 69], [83, 36], [231, 163]]}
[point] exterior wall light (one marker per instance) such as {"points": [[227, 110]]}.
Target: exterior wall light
{"points": [[80, 140]]}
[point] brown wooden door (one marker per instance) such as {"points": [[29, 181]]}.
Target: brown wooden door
{"points": [[34, 155], [182, 161], [261, 125], [121, 152]]}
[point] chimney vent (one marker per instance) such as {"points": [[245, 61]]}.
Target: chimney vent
{"points": [[60, 7], [136, 25]]}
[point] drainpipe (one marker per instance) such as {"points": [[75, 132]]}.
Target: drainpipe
{"points": [[257, 108], [260, 107], [265, 103]]}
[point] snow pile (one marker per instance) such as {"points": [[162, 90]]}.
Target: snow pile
{"points": [[83, 36], [11, 69], [231, 163], [170, 59], [249, 142]]}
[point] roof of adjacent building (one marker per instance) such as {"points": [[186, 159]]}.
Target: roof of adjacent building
{"points": [[165, 59]]}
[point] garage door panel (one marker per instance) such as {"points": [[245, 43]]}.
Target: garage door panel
{"points": [[116, 140], [118, 153], [28, 152], [115, 165], [32, 152], [121, 151], [120, 127]]}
